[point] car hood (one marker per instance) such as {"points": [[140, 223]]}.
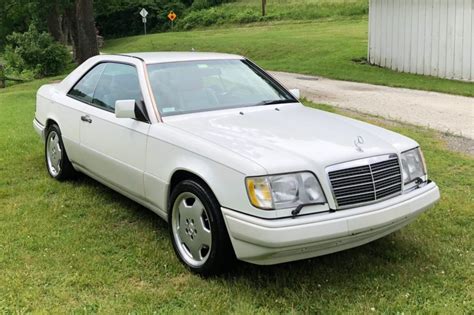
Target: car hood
{"points": [[290, 137]]}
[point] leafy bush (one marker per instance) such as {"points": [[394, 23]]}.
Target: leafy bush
{"points": [[36, 53], [205, 4]]}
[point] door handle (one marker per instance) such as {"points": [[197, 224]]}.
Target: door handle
{"points": [[86, 118]]}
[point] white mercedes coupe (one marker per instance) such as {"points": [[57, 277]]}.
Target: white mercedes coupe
{"points": [[230, 158]]}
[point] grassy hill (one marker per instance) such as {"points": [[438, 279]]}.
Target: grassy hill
{"points": [[330, 48], [248, 11]]}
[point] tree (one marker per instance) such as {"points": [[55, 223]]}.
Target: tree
{"points": [[68, 21], [14, 16], [54, 21], [80, 16], [264, 7]]}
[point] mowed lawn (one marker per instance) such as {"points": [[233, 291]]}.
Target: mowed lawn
{"points": [[240, 12], [79, 246], [325, 48]]}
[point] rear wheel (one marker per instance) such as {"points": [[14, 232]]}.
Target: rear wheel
{"points": [[197, 229], [57, 161]]}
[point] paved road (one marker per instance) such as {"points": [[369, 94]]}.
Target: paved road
{"points": [[444, 112]]}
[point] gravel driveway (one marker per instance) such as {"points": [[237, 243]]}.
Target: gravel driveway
{"points": [[444, 112]]}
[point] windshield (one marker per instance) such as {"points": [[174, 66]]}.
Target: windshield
{"points": [[194, 86]]}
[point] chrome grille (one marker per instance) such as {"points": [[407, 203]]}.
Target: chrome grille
{"points": [[365, 180]]}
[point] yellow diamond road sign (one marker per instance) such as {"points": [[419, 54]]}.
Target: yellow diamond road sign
{"points": [[172, 16]]}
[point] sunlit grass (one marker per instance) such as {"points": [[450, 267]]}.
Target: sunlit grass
{"points": [[246, 11]]}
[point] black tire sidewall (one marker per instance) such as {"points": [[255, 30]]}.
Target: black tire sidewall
{"points": [[220, 255]]}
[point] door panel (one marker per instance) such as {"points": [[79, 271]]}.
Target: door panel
{"points": [[114, 149], [73, 107]]}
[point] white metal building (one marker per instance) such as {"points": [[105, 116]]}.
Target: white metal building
{"points": [[431, 37]]}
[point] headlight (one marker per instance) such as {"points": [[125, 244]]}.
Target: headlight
{"points": [[284, 191], [413, 165]]}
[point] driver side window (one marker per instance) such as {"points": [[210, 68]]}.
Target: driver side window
{"points": [[106, 83], [117, 82]]}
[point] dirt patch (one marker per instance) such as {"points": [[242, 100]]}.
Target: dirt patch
{"points": [[459, 144], [308, 78], [360, 88]]}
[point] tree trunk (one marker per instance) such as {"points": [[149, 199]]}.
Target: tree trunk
{"points": [[70, 23], [66, 27], [83, 33], [264, 7], [54, 22], [2, 77]]}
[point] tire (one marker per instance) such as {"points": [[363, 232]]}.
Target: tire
{"points": [[197, 229], [57, 162]]}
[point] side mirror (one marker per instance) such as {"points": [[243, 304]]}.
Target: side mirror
{"points": [[295, 93], [125, 109]]}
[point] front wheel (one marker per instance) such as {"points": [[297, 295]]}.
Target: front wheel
{"points": [[57, 161], [197, 229]]}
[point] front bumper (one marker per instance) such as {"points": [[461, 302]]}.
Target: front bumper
{"points": [[267, 242]]}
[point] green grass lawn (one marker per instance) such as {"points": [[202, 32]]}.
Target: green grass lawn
{"points": [[79, 246], [249, 11], [324, 48]]}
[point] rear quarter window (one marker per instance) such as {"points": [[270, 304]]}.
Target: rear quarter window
{"points": [[85, 87]]}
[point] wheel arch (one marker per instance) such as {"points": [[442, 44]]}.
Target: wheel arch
{"points": [[49, 122], [182, 174]]}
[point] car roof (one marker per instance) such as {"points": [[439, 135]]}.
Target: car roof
{"points": [[179, 56]]}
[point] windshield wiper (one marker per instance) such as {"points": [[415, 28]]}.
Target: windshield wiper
{"points": [[273, 102]]}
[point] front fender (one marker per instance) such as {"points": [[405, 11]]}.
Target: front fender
{"points": [[169, 151]]}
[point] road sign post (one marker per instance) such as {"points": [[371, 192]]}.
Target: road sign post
{"points": [[144, 24], [143, 14]]}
